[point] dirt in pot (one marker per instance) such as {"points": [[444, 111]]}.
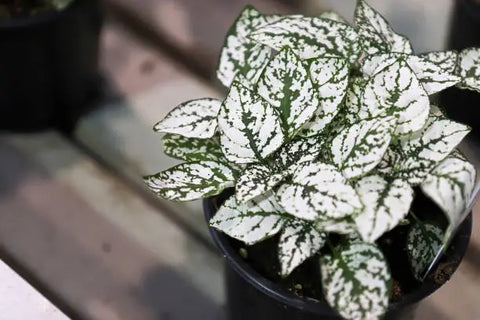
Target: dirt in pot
{"points": [[305, 280], [25, 8]]}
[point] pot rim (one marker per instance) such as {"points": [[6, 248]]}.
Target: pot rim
{"points": [[33, 21], [276, 292]]}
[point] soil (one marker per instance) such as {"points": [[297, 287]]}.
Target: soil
{"points": [[24, 8], [305, 280]]}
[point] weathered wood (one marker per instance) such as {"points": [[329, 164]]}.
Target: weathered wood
{"points": [[107, 252], [192, 30], [121, 134]]}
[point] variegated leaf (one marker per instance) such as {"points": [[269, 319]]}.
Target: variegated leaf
{"points": [[356, 281], [319, 191], [239, 54], [359, 148], [251, 128], [344, 226], [424, 149], [423, 242], [386, 204], [433, 76], [298, 242], [310, 37], [332, 16], [194, 119], [192, 149], [249, 222], [353, 100], [285, 84], [447, 60], [396, 91], [389, 162], [256, 180], [469, 69], [330, 77], [191, 181], [376, 34], [450, 185], [297, 151]]}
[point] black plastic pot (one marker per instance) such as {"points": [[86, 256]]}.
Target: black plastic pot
{"points": [[250, 296], [462, 105], [49, 67]]}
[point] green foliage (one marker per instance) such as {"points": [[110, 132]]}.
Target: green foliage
{"points": [[325, 129]]}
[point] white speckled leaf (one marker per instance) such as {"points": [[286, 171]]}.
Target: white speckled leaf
{"points": [[353, 100], [450, 185], [359, 148], [386, 204], [375, 32], [318, 191], [447, 60], [341, 226], [239, 54], [469, 69], [194, 119], [250, 222], [297, 151], [423, 242], [256, 180], [285, 84], [191, 181], [434, 76], [298, 242], [332, 16], [396, 91], [356, 281], [192, 149], [424, 149], [330, 77], [310, 37], [250, 126]]}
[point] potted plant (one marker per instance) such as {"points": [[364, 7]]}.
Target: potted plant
{"points": [[48, 61], [331, 180]]}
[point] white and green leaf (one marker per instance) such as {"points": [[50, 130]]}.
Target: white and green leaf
{"points": [[249, 222], [356, 281], [194, 119], [344, 226], [386, 203], [256, 180], [250, 126], [450, 185], [285, 83], [376, 34], [469, 69], [424, 240], [359, 148], [192, 149], [191, 181], [330, 77], [297, 151], [353, 100], [447, 60], [319, 191], [309, 37], [434, 76], [422, 151], [239, 54], [395, 90], [332, 15], [298, 242]]}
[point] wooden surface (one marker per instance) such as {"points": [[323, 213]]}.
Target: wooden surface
{"points": [[75, 212]]}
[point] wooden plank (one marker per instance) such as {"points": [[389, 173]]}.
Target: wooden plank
{"points": [[192, 30], [107, 252], [121, 135], [16, 292]]}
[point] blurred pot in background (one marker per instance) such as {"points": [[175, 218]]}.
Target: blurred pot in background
{"points": [[464, 105], [48, 62]]}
